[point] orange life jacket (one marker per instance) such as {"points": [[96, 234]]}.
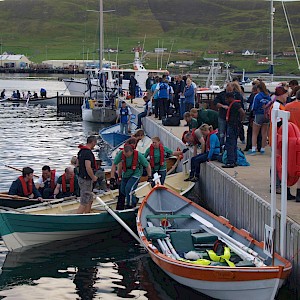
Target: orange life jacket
{"points": [[64, 183], [134, 161], [207, 140], [229, 108], [27, 187], [161, 154], [52, 179]]}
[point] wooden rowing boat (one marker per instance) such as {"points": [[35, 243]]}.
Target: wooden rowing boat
{"points": [[170, 225], [47, 222], [48, 101]]}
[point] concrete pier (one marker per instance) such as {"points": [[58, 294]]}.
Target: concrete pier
{"points": [[241, 194]]}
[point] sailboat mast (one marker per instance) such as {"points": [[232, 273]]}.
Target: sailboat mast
{"points": [[101, 34], [272, 40]]}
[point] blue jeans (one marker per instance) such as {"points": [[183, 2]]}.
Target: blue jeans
{"points": [[231, 143], [124, 128], [196, 162], [140, 116], [127, 186], [222, 131], [182, 107]]}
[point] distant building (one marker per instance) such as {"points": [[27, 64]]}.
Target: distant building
{"points": [[160, 50], [184, 51], [263, 61], [248, 52], [14, 61], [228, 52], [288, 53]]}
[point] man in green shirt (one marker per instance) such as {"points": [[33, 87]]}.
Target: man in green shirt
{"points": [[158, 154], [205, 116], [190, 121], [132, 169]]}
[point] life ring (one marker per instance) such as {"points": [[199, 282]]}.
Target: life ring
{"points": [[204, 89], [293, 165]]}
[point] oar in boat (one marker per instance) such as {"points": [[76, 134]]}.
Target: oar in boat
{"points": [[16, 169], [118, 219], [235, 245], [13, 197]]}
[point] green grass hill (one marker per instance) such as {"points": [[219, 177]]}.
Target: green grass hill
{"points": [[65, 29]]}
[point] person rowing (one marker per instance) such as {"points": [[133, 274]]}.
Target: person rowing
{"points": [[24, 186]]}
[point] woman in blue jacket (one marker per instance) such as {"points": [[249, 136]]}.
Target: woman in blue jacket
{"points": [[189, 94]]}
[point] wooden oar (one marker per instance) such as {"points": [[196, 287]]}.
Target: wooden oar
{"points": [[16, 169], [16, 197], [240, 249], [118, 219]]}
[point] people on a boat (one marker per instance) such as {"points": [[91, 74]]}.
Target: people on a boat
{"points": [[24, 185], [28, 95], [124, 118], [132, 168], [100, 185], [74, 164], [211, 151], [67, 184], [14, 95], [158, 153], [35, 95], [86, 177], [18, 94], [3, 94], [47, 182], [43, 93], [234, 114], [142, 140], [147, 111]]}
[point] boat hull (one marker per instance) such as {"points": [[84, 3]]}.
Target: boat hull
{"points": [[256, 280], [12, 203], [99, 115], [26, 230], [50, 101]]}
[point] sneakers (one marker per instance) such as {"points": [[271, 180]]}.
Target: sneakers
{"points": [[228, 166], [250, 152], [194, 179], [191, 178], [262, 152]]}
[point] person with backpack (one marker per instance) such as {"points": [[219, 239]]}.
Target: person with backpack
{"points": [[260, 122], [124, 117]]}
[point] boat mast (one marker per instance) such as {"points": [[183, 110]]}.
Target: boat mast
{"points": [[100, 34], [272, 40]]}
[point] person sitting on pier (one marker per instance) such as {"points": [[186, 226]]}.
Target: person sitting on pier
{"points": [[147, 111], [132, 166], [67, 184], [211, 152], [24, 186], [47, 182], [43, 93], [190, 121], [124, 117], [195, 139], [158, 154]]}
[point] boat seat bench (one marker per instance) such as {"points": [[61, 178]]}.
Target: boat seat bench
{"points": [[168, 216]]}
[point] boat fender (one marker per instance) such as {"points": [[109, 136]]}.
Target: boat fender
{"points": [[293, 168]]}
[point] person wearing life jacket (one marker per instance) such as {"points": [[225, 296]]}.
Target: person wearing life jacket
{"points": [[211, 151], [195, 139], [47, 182], [132, 168], [124, 117], [234, 114], [67, 184], [24, 186], [86, 177], [158, 154]]}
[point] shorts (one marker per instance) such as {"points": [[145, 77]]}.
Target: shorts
{"points": [[260, 120], [86, 188]]}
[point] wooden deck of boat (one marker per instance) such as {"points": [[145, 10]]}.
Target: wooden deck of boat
{"points": [[256, 177]]}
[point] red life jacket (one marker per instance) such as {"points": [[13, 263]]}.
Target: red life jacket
{"points": [[85, 147], [52, 179], [207, 140], [161, 155], [64, 183], [134, 161], [196, 139], [229, 108], [27, 187]]}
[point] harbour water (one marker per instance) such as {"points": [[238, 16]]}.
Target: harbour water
{"points": [[90, 268]]}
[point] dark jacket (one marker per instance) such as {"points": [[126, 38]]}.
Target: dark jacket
{"points": [[17, 189]]}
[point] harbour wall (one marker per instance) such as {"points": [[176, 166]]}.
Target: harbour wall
{"points": [[225, 196]]}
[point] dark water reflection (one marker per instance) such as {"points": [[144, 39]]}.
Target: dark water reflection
{"points": [[89, 268], [34, 137]]}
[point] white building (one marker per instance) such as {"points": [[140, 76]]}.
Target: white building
{"points": [[18, 61]]}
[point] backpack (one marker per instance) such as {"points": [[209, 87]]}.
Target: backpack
{"points": [[268, 109]]}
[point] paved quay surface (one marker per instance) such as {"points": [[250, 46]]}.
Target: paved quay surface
{"points": [[255, 177]]}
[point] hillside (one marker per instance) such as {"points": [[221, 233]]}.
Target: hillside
{"points": [[55, 29]]}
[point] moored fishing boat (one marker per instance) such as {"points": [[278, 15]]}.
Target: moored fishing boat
{"points": [[113, 136], [47, 222], [170, 225]]}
